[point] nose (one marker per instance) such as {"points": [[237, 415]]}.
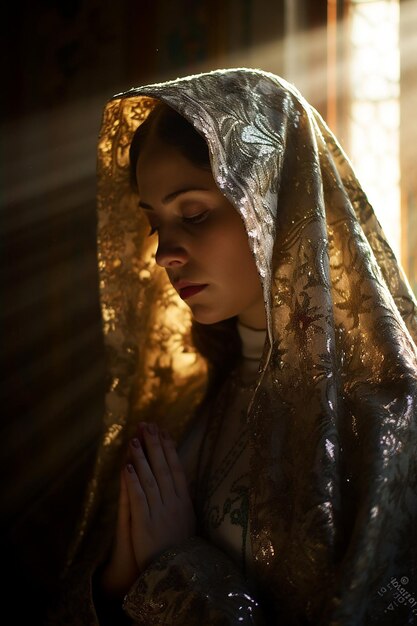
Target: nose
{"points": [[170, 252]]}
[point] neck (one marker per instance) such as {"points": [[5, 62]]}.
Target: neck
{"points": [[255, 316], [256, 328]]}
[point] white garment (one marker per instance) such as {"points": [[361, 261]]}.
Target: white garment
{"points": [[252, 342]]}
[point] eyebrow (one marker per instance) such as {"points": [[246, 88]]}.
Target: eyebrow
{"points": [[171, 196]]}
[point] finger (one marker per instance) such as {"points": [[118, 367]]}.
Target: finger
{"points": [[137, 498], [122, 546], [145, 474], [123, 513], [177, 471], [158, 462]]}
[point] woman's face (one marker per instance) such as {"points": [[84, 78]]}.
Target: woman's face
{"points": [[202, 241]]}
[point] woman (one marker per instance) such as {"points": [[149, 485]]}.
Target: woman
{"points": [[268, 329]]}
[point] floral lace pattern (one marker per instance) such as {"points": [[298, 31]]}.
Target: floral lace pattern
{"points": [[223, 478]]}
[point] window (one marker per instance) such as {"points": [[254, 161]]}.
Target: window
{"points": [[374, 116]]}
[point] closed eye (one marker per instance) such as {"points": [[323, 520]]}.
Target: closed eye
{"points": [[193, 219], [196, 219]]}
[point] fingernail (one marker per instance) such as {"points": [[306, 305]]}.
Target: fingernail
{"points": [[130, 468], [135, 442], [152, 429]]}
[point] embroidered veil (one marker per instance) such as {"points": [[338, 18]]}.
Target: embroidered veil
{"points": [[332, 420]]}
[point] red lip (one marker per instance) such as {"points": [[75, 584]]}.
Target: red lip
{"points": [[186, 288], [191, 290]]}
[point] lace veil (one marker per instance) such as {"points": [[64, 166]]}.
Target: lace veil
{"points": [[333, 417]]}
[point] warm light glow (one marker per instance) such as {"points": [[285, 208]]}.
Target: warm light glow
{"points": [[375, 109]]}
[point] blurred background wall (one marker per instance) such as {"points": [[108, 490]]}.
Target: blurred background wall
{"points": [[354, 61]]}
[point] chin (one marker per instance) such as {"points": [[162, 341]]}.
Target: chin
{"points": [[204, 315]]}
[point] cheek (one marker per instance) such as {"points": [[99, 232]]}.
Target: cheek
{"points": [[231, 258]]}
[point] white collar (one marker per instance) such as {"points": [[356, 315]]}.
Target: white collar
{"points": [[253, 341]]}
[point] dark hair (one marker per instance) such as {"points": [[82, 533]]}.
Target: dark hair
{"points": [[173, 129], [218, 343]]}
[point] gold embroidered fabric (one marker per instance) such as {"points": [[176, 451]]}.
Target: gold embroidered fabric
{"points": [[332, 418], [177, 590]]}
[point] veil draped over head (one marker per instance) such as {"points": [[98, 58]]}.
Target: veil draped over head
{"points": [[332, 419]]}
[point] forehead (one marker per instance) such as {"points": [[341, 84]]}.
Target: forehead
{"points": [[161, 166]]}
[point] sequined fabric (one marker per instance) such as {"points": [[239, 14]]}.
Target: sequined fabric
{"points": [[332, 419], [194, 584]]}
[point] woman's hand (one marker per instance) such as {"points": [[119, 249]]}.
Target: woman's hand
{"points": [[121, 570], [162, 513]]}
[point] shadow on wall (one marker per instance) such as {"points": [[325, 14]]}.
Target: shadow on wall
{"points": [[63, 61]]}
